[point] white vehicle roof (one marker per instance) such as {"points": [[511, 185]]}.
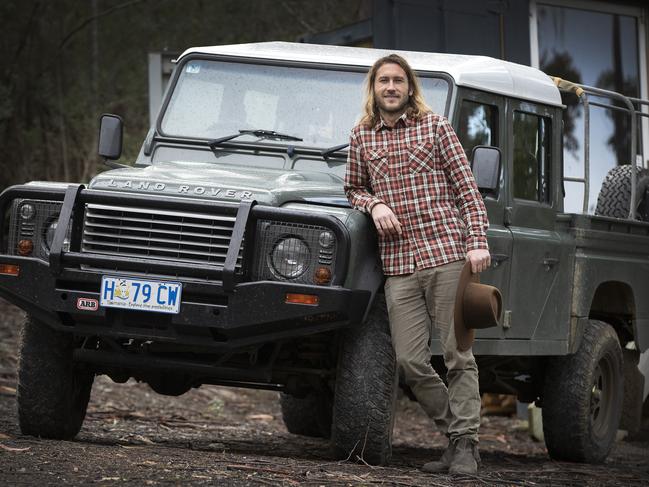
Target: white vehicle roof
{"points": [[484, 73]]}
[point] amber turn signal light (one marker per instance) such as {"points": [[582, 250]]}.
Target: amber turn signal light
{"points": [[311, 299], [25, 247], [9, 270], [322, 275]]}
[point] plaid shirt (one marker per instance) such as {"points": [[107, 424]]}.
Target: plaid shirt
{"points": [[418, 168]]}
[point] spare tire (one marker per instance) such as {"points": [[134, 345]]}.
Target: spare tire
{"points": [[614, 197]]}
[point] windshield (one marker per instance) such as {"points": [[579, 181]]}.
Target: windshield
{"points": [[214, 99]]}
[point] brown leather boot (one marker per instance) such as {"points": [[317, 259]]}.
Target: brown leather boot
{"points": [[465, 458], [442, 465]]}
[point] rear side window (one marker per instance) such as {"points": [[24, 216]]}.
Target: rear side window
{"points": [[477, 125], [532, 136]]}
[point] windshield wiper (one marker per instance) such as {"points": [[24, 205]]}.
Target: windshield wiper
{"points": [[325, 153], [262, 134]]}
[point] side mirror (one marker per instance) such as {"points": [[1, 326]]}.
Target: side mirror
{"points": [[110, 136], [485, 164]]}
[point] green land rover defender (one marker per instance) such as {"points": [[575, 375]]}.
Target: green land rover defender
{"points": [[227, 254]]}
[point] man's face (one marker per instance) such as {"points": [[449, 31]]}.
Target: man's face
{"points": [[391, 89]]}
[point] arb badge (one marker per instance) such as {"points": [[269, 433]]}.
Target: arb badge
{"points": [[87, 304]]}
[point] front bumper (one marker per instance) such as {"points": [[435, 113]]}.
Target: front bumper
{"points": [[255, 312]]}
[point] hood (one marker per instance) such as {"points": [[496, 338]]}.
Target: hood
{"points": [[223, 182]]}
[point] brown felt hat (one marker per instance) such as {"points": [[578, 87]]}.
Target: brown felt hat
{"points": [[476, 306]]}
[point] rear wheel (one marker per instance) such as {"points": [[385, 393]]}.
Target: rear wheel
{"points": [[53, 391], [582, 399], [366, 386]]}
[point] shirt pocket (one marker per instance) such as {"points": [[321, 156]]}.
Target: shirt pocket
{"points": [[420, 158], [377, 164]]}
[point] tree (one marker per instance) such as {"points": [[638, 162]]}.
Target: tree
{"points": [[65, 62]]}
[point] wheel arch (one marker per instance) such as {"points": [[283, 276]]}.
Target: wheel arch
{"points": [[365, 270], [614, 303]]}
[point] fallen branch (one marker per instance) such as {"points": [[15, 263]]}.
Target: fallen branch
{"points": [[13, 449], [257, 469]]}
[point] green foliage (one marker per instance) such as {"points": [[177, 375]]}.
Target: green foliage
{"points": [[562, 65], [215, 407], [66, 62]]}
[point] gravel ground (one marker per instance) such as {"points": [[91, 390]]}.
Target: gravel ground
{"points": [[215, 435]]}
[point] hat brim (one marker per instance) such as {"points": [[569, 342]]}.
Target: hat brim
{"points": [[463, 336]]}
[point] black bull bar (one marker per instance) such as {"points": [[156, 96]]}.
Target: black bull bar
{"points": [[246, 212]]}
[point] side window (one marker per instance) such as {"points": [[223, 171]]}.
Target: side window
{"points": [[532, 137], [477, 125]]}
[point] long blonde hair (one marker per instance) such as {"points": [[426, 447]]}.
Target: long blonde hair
{"points": [[417, 106]]}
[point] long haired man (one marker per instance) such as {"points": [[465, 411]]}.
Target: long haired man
{"points": [[407, 170]]}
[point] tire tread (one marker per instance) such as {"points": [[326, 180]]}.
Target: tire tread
{"points": [[365, 391], [566, 398], [53, 392]]}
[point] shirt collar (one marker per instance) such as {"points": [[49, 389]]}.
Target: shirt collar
{"points": [[405, 119]]}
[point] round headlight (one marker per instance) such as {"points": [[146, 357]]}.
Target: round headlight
{"points": [[290, 258], [27, 211]]}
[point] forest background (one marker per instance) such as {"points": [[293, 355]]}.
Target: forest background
{"points": [[64, 62]]}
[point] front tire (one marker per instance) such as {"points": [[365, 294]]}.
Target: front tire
{"points": [[582, 399], [53, 391], [365, 392]]}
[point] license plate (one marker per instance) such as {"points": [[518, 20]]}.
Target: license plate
{"points": [[140, 294]]}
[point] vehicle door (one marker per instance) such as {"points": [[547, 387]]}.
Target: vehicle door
{"points": [[480, 120], [533, 203]]}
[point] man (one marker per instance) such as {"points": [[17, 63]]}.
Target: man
{"points": [[407, 169]]}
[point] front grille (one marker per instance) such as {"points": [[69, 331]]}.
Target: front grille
{"points": [[158, 234]]}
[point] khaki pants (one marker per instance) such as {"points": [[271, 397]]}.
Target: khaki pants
{"points": [[417, 302]]}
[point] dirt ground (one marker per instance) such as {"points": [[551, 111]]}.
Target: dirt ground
{"points": [[223, 436]]}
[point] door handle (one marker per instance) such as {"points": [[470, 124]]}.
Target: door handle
{"points": [[497, 259], [550, 262]]}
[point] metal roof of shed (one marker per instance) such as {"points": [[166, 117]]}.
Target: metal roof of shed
{"points": [[481, 72]]}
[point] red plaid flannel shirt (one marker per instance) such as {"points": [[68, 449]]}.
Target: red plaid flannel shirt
{"points": [[419, 169]]}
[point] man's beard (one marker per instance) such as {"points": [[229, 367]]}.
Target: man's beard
{"points": [[400, 108]]}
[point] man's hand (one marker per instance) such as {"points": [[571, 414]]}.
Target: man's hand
{"points": [[385, 220], [480, 260]]}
